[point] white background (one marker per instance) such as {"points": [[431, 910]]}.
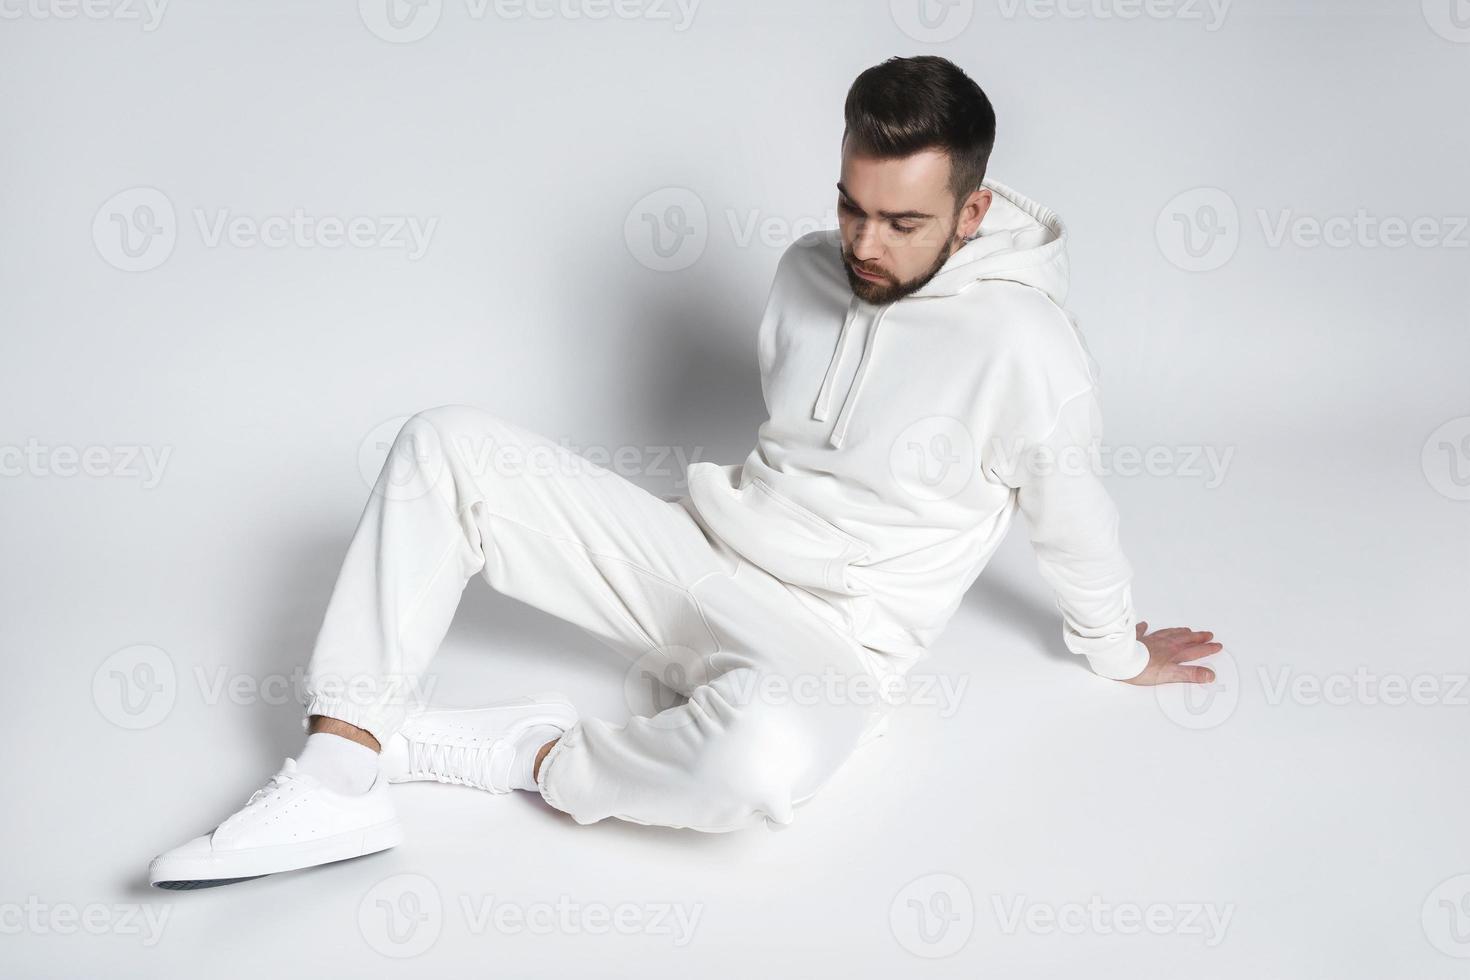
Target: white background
{"points": [[1330, 548]]}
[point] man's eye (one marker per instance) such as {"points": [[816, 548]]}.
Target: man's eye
{"points": [[844, 206], [904, 229]]}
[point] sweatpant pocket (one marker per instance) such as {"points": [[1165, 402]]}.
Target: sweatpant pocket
{"points": [[666, 614]]}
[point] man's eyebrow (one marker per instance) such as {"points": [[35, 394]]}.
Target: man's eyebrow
{"points": [[890, 215]]}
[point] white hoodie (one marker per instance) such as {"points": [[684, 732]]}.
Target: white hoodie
{"points": [[902, 438]]}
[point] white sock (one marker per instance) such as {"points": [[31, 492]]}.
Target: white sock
{"points": [[338, 763], [523, 766]]}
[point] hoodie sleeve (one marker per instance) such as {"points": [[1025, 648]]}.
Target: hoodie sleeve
{"points": [[1073, 525], [1070, 519]]}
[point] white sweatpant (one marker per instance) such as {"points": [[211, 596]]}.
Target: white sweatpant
{"points": [[777, 697]]}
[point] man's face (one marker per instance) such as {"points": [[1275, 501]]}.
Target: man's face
{"points": [[900, 222]]}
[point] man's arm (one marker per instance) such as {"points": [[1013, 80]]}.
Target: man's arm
{"points": [[1073, 526]]}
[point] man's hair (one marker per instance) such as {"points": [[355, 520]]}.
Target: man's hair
{"points": [[906, 105]]}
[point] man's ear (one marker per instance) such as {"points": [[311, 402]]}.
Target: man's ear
{"points": [[972, 212]]}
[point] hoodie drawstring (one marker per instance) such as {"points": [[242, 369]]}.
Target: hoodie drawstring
{"points": [[823, 407], [824, 394]]}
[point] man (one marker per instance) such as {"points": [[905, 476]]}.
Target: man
{"points": [[923, 384]]}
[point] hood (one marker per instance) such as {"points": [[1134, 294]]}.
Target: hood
{"points": [[1018, 241]]}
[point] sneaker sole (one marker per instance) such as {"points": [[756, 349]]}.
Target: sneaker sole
{"points": [[184, 886], [209, 871]]}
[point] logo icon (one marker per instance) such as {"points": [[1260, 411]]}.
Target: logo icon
{"points": [[934, 458], [136, 687], [1199, 230], [1446, 458], [667, 230], [399, 461], [1446, 917], [1201, 706], [933, 916], [135, 230], [662, 679], [401, 916], [932, 21], [1450, 19], [400, 21]]}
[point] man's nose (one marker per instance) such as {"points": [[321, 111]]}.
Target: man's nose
{"points": [[868, 246]]}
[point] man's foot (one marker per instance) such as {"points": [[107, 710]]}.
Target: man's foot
{"points": [[490, 748], [293, 821]]}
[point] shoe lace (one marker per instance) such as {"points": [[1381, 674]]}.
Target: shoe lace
{"points": [[272, 786], [459, 765], [263, 796]]}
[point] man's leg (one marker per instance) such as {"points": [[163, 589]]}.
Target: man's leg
{"points": [[332, 726], [466, 493]]}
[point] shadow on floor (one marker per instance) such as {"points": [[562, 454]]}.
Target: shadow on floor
{"points": [[1023, 612]]}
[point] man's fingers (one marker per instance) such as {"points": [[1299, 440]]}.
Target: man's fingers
{"points": [[1195, 649], [1171, 632], [1180, 674]]}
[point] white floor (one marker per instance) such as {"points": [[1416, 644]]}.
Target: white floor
{"points": [[1043, 819]]}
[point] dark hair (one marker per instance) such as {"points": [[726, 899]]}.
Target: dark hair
{"points": [[906, 105]]}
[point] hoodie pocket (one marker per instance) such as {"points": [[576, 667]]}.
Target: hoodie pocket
{"points": [[817, 552], [776, 533]]}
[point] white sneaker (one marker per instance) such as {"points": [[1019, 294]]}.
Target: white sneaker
{"points": [[470, 746], [292, 822]]}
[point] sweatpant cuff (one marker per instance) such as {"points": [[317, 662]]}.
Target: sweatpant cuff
{"points": [[548, 783], [381, 724]]}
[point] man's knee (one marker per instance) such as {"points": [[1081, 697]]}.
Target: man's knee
{"points": [[769, 757], [447, 420], [462, 436]]}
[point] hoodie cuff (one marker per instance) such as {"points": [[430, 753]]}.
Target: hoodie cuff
{"points": [[1120, 664]]}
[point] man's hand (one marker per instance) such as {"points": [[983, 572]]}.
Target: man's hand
{"points": [[1169, 652]]}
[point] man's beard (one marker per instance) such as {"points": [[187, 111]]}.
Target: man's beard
{"points": [[889, 291]]}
